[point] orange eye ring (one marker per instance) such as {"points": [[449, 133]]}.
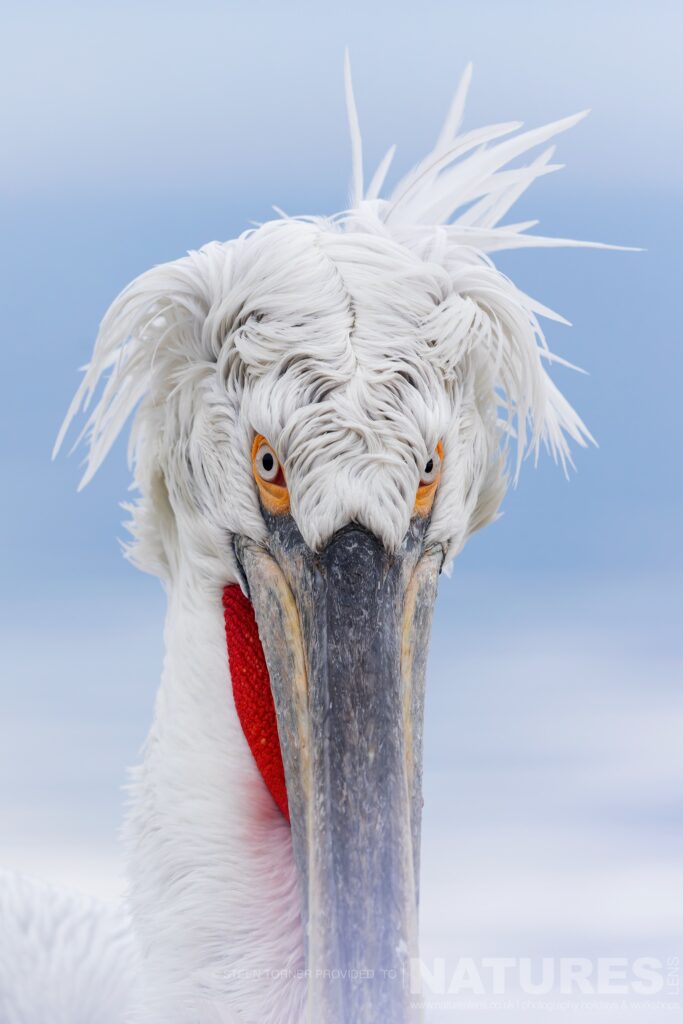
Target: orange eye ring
{"points": [[424, 499], [269, 477]]}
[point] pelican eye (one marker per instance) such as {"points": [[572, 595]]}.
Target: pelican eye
{"points": [[429, 481], [269, 476], [267, 463]]}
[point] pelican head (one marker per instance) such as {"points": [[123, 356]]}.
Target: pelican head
{"points": [[324, 410]]}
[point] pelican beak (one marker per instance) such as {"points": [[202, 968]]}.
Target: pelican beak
{"points": [[345, 633]]}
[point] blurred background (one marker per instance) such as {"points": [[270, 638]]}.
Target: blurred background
{"points": [[134, 132]]}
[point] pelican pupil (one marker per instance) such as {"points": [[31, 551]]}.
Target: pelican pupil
{"points": [[268, 462], [430, 466]]}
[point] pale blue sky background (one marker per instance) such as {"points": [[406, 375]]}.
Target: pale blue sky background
{"points": [[132, 132]]}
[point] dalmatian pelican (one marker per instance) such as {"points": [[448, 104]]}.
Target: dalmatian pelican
{"points": [[324, 409]]}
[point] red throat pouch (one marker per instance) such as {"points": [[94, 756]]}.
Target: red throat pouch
{"points": [[251, 692]]}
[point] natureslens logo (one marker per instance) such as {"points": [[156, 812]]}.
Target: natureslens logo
{"points": [[545, 982]]}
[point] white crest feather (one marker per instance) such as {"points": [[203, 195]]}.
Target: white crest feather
{"points": [[354, 131]]}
